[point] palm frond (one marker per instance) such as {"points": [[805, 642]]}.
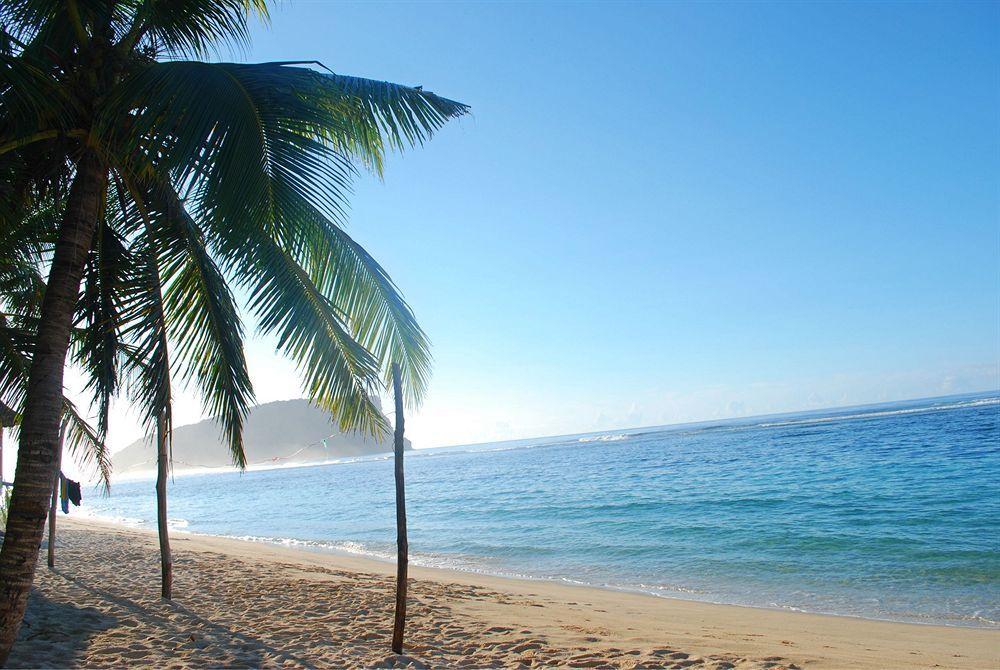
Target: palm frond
{"points": [[220, 172], [378, 316], [15, 359], [232, 124], [21, 288], [194, 27], [85, 445], [99, 316], [202, 317], [378, 114], [274, 145], [144, 328], [339, 374]]}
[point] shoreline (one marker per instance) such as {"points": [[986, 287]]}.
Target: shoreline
{"points": [[564, 582], [279, 596], [303, 546]]}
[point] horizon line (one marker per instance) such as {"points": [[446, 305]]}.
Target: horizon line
{"points": [[702, 421]]}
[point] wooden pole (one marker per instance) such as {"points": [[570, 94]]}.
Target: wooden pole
{"points": [[402, 548], [166, 562], [55, 503]]}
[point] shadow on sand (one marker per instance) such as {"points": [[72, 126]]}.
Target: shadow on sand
{"points": [[54, 634], [179, 625]]}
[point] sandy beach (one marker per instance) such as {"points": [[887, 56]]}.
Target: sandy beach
{"points": [[244, 604]]}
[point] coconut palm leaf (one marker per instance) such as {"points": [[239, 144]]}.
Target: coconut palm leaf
{"points": [[287, 135], [35, 107], [201, 315], [145, 329], [192, 27], [99, 318], [85, 445], [15, 356], [339, 374], [379, 317]]}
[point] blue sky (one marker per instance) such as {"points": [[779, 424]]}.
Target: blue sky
{"points": [[669, 212]]}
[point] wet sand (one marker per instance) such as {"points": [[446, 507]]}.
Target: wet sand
{"points": [[244, 604]]}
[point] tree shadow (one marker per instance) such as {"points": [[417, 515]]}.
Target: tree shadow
{"points": [[54, 634], [252, 651]]}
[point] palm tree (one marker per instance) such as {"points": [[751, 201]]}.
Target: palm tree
{"points": [[20, 284], [22, 257], [98, 347], [171, 180], [24, 238], [402, 544]]}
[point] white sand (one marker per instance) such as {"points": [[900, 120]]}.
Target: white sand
{"points": [[241, 604]]}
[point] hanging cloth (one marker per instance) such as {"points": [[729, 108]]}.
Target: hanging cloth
{"points": [[63, 494], [73, 492]]}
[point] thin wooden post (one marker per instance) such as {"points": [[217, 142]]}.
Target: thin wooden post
{"points": [[402, 547], [51, 559], [166, 562]]}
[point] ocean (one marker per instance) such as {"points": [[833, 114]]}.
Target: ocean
{"points": [[887, 511]]}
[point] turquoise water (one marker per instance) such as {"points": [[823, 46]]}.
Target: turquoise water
{"points": [[888, 511]]}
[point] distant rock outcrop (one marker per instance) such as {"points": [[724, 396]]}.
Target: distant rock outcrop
{"points": [[290, 431]]}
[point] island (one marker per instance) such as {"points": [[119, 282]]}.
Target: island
{"points": [[275, 433]]}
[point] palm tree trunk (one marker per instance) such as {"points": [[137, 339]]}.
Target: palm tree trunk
{"points": [[402, 547], [166, 562], [39, 444], [53, 505]]}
